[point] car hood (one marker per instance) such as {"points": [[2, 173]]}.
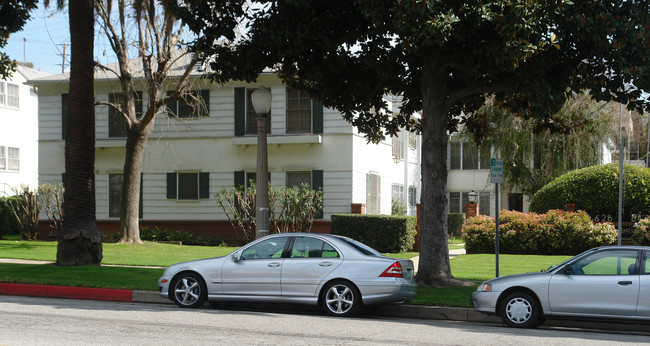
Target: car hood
{"points": [[520, 279], [195, 264]]}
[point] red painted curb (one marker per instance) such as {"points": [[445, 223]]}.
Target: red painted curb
{"points": [[66, 292]]}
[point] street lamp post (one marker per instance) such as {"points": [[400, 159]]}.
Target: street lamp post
{"points": [[262, 104]]}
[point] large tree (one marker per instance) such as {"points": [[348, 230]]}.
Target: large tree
{"points": [[534, 157], [148, 41], [79, 242], [13, 15], [443, 57]]}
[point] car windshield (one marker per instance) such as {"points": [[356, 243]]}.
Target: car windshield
{"points": [[553, 267], [365, 249]]}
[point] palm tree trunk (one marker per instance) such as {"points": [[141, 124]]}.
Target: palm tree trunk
{"points": [[79, 242]]}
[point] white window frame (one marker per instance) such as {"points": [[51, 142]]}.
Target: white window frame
{"points": [[9, 159], [13, 98], [300, 112], [373, 196]]}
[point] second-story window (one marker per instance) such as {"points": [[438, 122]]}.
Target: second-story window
{"points": [[9, 95], [299, 111], [116, 121], [193, 104], [467, 156], [398, 147]]}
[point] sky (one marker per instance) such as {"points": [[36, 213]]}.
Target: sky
{"points": [[45, 38]]}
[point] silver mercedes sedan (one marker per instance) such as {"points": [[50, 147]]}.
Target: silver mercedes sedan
{"points": [[604, 282], [338, 273]]}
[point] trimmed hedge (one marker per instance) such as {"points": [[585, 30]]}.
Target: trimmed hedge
{"points": [[554, 233], [595, 190], [384, 233], [455, 222]]}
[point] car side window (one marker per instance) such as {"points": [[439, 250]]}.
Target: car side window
{"points": [[306, 247], [615, 262], [646, 263], [270, 248]]}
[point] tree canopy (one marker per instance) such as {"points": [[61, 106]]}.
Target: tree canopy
{"points": [[532, 158], [13, 16], [443, 57]]}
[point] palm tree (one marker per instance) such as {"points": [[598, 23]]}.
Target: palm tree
{"points": [[79, 242]]}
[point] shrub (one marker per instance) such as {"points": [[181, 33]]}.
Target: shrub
{"points": [[8, 223], [290, 208], [397, 207], [455, 222], [184, 237], [642, 233], [554, 233], [26, 209], [382, 232], [595, 190]]}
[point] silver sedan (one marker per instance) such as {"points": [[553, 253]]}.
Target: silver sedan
{"points": [[605, 282], [338, 273]]}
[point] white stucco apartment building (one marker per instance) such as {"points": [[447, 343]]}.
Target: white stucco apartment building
{"points": [[191, 157], [18, 131]]}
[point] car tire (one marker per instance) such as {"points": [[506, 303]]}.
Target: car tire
{"points": [[340, 298], [520, 310], [188, 290]]}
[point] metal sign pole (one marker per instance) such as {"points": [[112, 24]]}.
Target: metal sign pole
{"points": [[496, 177], [496, 237]]}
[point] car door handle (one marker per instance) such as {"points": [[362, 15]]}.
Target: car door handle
{"points": [[274, 264], [325, 264], [625, 283]]}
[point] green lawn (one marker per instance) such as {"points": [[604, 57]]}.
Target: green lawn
{"points": [[473, 267]]}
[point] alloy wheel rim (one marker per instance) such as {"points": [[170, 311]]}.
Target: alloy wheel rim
{"points": [[519, 310], [187, 291], [339, 299]]}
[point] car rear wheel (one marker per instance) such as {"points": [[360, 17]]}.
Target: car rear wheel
{"points": [[341, 298], [520, 310], [189, 290]]}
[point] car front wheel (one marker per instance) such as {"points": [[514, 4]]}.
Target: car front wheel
{"points": [[520, 310], [341, 298], [189, 290]]}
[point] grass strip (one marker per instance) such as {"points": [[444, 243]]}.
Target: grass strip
{"points": [[141, 279]]}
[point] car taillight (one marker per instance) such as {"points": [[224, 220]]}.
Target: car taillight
{"points": [[393, 271]]}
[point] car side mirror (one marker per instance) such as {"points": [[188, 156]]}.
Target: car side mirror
{"points": [[235, 257], [568, 270]]}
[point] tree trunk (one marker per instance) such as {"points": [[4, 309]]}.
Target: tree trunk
{"points": [[130, 207], [79, 242], [434, 252]]}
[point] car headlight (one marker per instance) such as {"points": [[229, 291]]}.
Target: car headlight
{"points": [[484, 287]]}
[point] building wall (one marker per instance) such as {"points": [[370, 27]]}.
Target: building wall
{"points": [[19, 129], [208, 144]]}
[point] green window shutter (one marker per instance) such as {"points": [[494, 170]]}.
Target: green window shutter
{"points": [[317, 184], [317, 116], [205, 108], [204, 185], [172, 107], [171, 185], [240, 111], [240, 178], [138, 104], [140, 208], [64, 113]]}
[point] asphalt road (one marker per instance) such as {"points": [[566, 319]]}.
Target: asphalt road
{"points": [[47, 321]]}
